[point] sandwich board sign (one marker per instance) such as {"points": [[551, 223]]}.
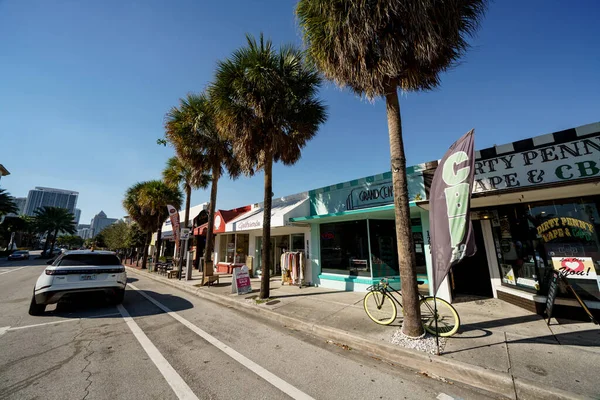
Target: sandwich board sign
{"points": [[241, 281]]}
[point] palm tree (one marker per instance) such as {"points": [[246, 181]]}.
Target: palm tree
{"points": [[132, 204], [7, 204], [153, 199], [374, 48], [192, 131], [54, 220], [265, 102], [179, 172]]}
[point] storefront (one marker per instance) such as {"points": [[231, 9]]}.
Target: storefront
{"points": [[167, 235], [535, 208], [353, 231], [242, 239]]}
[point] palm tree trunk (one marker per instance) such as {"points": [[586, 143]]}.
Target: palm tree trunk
{"points": [[188, 199], [46, 242], [159, 239], [146, 244], [266, 236], [208, 263], [53, 242], [411, 325]]}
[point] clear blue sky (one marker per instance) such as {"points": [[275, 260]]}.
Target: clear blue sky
{"points": [[85, 85]]}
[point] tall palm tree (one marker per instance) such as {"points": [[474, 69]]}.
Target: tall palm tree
{"points": [[192, 131], [266, 104], [132, 204], [179, 172], [376, 47], [54, 220], [7, 204], [153, 199]]}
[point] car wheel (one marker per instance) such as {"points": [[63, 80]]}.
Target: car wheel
{"points": [[36, 309], [119, 295]]}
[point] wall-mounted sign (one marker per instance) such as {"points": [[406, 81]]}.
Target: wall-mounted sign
{"points": [[575, 267], [554, 163], [380, 194], [252, 224]]}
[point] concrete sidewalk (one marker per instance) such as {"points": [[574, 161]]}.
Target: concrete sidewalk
{"points": [[500, 347]]}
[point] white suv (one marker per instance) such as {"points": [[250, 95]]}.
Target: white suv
{"points": [[79, 271]]}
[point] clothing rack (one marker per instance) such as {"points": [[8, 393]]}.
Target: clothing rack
{"points": [[293, 264]]}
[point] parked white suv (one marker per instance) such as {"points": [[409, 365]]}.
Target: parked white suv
{"points": [[79, 271]]}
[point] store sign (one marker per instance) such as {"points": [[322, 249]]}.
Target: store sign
{"points": [[241, 281], [371, 196], [252, 224], [575, 267], [555, 163]]}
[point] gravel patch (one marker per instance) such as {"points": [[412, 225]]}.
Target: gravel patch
{"points": [[425, 343]]}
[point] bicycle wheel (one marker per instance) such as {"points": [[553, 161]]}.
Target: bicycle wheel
{"points": [[448, 320], [380, 307]]}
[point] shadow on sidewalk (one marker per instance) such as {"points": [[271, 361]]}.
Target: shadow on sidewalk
{"points": [[496, 323]]}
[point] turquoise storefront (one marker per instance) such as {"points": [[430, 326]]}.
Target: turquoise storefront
{"points": [[353, 234]]}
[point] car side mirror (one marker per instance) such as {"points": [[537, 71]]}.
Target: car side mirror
{"points": [[49, 262]]}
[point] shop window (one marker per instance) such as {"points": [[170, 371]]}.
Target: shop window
{"points": [[384, 253], [241, 251], [534, 239], [297, 241], [344, 248], [227, 248]]}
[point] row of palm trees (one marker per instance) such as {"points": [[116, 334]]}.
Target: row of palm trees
{"points": [[262, 105]]}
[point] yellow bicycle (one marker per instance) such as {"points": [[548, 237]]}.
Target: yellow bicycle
{"points": [[380, 306]]}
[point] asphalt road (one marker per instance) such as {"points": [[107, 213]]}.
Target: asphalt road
{"points": [[167, 344]]}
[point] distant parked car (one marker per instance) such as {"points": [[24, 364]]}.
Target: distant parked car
{"points": [[79, 271], [55, 253], [19, 255]]}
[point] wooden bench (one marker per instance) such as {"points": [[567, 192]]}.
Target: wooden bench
{"points": [[172, 274]]}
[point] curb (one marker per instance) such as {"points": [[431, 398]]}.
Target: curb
{"points": [[496, 382]]}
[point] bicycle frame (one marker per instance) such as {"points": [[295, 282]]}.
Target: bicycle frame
{"points": [[386, 288]]}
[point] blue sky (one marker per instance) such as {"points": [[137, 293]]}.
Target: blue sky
{"points": [[84, 87]]}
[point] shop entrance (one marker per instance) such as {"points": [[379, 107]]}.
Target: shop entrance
{"points": [[472, 275]]}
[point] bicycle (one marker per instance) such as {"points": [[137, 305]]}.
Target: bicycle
{"points": [[380, 306]]}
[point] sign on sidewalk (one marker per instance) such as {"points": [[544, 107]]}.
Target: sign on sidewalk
{"points": [[241, 281]]}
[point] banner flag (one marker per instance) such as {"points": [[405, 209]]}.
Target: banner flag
{"points": [[451, 229], [174, 217]]}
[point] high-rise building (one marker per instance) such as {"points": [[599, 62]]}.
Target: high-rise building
{"points": [[99, 222], [77, 215], [49, 197], [83, 231], [20, 202]]}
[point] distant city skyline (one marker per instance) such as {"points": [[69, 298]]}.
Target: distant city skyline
{"points": [[100, 222]]}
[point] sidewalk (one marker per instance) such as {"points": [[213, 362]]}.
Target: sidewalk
{"points": [[500, 347]]}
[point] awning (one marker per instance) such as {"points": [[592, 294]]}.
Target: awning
{"points": [[194, 212], [282, 211], [201, 230], [363, 213]]}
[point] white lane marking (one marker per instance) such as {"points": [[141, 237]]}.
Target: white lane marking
{"points": [[12, 270], [16, 328], [4, 329], [444, 396], [273, 379], [181, 389]]}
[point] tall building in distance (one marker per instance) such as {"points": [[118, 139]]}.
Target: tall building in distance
{"points": [[84, 231], [49, 197], [99, 222], [77, 216], [20, 202]]}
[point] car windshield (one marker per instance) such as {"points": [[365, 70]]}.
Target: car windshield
{"points": [[87, 259]]}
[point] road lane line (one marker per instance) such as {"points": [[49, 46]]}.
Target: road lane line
{"points": [[181, 389], [13, 270], [16, 328], [273, 379]]}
